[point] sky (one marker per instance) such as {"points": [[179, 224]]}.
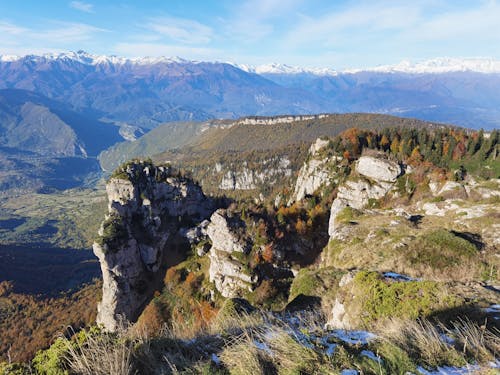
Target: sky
{"points": [[308, 33]]}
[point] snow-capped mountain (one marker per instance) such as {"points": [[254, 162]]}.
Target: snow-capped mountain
{"points": [[276, 68], [438, 65], [144, 92], [91, 59]]}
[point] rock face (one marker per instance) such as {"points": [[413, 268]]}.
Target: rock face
{"points": [[147, 205], [315, 172], [246, 178], [278, 119], [378, 169], [229, 246], [357, 192]]}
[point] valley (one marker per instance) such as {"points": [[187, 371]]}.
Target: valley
{"points": [[229, 210]]}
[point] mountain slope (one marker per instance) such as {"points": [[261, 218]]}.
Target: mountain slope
{"points": [[150, 92], [32, 122], [465, 98], [168, 136], [45, 145]]}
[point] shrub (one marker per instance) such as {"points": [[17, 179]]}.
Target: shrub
{"points": [[441, 249], [113, 232], [396, 360], [375, 298], [347, 214], [52, 361]]}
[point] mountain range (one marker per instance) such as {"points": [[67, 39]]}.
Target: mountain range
{"points": [[77, 105]]}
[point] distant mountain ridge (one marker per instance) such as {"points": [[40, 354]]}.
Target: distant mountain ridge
{"points": [[146, 92], [436, 65], [77, 104]]}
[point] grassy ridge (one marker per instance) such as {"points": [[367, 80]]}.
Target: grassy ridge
{"points": [[168, 136]]}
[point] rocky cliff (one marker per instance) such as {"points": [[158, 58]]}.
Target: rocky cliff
{"points": [[264, 120], [318, 170], [373, 178], [230, 245], [147, 207], [244, 177]]}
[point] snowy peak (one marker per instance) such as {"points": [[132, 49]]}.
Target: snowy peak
{"points": [[90, 59], [438, 65], [433, 66], [276, 68]]}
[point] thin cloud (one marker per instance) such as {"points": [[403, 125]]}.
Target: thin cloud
{"points": [[351, 23], [10, 28], [253, 20], [68, 32], [14, 38], [479, 23], [82, 7], [181, 30]]}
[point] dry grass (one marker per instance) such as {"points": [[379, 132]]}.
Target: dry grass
{"points": [[104, 354], [476, 341], [467, 341], [421, 339], [242, 357], [260, 343]]}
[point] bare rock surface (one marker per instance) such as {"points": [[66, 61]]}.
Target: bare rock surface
{"points": [[357, 192], [146, 206], [378, 169], [315, 172], [227, 270]]}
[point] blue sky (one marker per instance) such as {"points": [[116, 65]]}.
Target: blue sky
{"points": [[311, 33]]}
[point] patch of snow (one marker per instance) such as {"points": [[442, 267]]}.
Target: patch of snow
{"points": [[448, 370], [349, 372], [330, 349], [90, 59], [371, 355], [447, 339], [353, 337], [262, 346], [398, 276], [276, 68], [9, 58], [493, 309], [215, 359]]}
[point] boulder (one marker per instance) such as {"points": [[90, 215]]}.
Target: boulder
{"points": [[453, 190], [318, 145], [378, 169], [377, 178]]}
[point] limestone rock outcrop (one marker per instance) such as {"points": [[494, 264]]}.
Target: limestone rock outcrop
{"points": [[255, 120], [376, 178], [147, 207], [316, 171], [378, 169], [229, 247], [243, 177]]}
